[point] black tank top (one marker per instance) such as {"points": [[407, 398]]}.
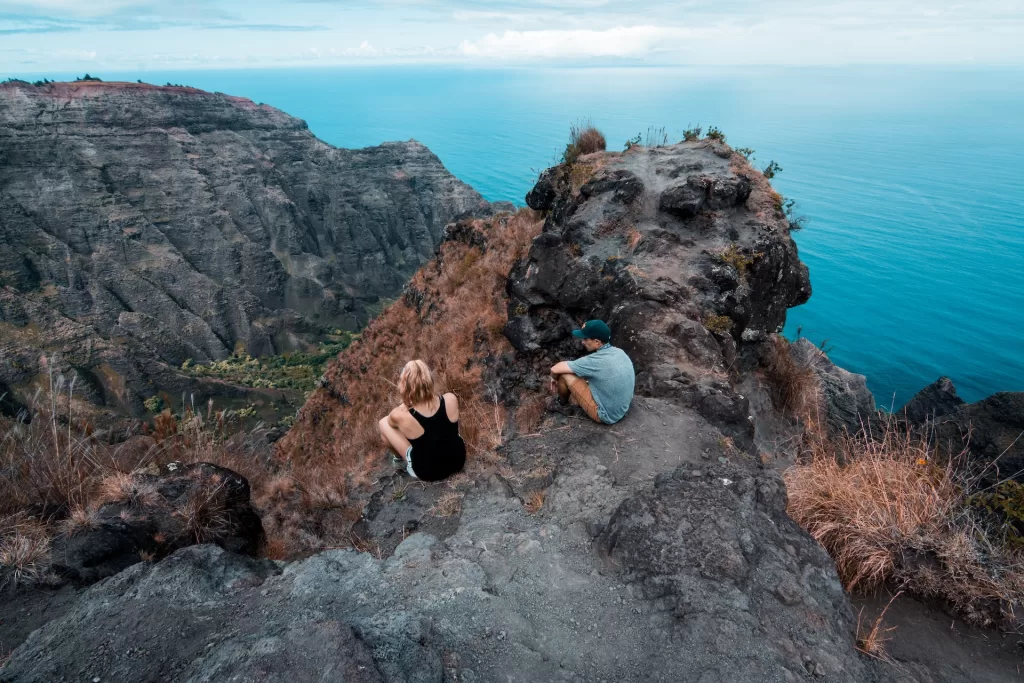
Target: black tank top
{"points": [[440, 452]]}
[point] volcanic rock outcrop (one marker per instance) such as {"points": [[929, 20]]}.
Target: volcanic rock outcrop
{"points": [[141, 226], [684, 250], [991, 430], [152, 513]]}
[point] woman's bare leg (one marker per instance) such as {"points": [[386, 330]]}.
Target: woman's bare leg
{"points": [[393, 438]]}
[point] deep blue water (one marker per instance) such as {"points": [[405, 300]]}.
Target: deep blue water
{"points": [[912, 180]]}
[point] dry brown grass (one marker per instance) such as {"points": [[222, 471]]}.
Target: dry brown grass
{"points": [[24, 551], [793, 386], [447, 505], [893, 515], [530, 414], [205, 515], [584, 139], [535, 502], [872, 641], [452, 318], [81, 519]]}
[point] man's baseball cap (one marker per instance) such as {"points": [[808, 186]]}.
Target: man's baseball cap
{"points": [[594, 329]]}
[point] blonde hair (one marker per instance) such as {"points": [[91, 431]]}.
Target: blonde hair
{"points": [[416, 383]]}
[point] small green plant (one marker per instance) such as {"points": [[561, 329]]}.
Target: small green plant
{"points": [[692, 133], [1002, 511], [87, 77], [719, 324], [734, 256], [747, 153], [656, 137], [248, 411], [154, 404], [771, 170], [715, 133], [796, 222], [633, 141]]}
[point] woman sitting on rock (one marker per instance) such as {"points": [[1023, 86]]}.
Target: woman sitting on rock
{"points": [[425, 427]]}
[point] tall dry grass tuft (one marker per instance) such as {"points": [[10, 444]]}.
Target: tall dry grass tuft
{"points": [[892, 514], [584, 139], [24, 550], [793, 386], [55, 476], [872, 641]]}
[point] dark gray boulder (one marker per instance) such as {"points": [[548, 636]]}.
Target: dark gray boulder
{"points": [[992, 430], [153, 513], [715, 549], [936, 400], [843, 397]]}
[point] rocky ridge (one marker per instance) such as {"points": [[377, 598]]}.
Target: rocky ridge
{"points": [[141, 226]]}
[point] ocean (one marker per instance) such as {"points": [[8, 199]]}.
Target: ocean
{"points": [[911, 180]]}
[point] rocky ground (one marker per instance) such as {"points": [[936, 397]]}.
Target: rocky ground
{"points": [[141, 226], [731, 589], [657, 554]]}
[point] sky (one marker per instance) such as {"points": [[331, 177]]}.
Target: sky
{"points": [[37, 36]]}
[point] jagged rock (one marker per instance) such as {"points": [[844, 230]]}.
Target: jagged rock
{"points": [[935, 400], [142, 225], [715, 549], [683, 251], [155, 512], [993, 431], [844, 398]]}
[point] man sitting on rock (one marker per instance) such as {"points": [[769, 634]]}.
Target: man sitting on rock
{"points": [[601, 383]]}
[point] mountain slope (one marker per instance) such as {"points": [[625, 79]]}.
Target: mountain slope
{"points": [[141, 226]]}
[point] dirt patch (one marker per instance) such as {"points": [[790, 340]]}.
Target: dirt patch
{"points": [[23, 609], [927, 640]]}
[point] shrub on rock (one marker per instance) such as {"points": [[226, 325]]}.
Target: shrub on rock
{"points": [[151, 513]]}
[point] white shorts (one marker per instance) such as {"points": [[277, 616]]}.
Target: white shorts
{"points": [[408, 462]]}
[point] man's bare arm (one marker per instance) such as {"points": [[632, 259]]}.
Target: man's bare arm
{"points": [[561, 369]]}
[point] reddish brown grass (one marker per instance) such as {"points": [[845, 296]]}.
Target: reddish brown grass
{"points": [[584, 139], [448, 504], [452, 318], [871, 641], [535, 502], [793, 386], [893, 515]]}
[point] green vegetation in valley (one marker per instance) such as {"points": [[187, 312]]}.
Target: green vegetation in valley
{"points": [[297, 370]]}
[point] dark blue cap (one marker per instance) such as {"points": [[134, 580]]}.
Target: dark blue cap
{"points": [[594, 329]]}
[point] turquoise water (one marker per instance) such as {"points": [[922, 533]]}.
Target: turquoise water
{"points": [[912, 180]]}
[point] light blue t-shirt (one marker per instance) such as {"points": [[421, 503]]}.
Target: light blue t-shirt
{"points": [[609, 371]]}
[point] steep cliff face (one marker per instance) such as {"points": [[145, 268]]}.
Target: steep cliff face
{"points": [[140, 226]]}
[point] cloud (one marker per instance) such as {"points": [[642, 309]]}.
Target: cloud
{"points": [[618, 42]]}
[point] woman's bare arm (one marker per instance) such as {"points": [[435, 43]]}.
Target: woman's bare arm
{"points": [[451, 406]]}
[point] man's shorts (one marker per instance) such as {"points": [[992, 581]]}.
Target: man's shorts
{"points": [[579, 390]]}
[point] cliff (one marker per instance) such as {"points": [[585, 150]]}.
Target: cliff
{"points": [[141, 226]]}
